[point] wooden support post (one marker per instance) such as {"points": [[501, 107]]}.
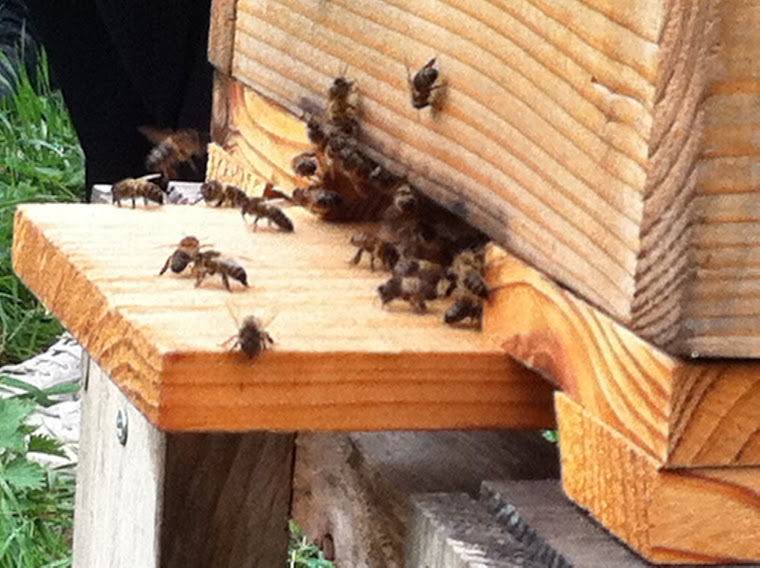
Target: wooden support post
{"points": [[149, 499], [697, 516]]}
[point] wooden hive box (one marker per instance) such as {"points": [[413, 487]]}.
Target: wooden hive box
{"points": [[610, 144]]}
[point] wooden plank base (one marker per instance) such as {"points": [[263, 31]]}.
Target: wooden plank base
{"points": [[682, 413], [340, 361], [176, 500], [354, 490], [675, 516]]}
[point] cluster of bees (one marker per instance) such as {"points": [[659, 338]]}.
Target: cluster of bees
{"points": [[430, 252], [251, 337]]}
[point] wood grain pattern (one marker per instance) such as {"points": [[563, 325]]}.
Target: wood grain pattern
{"points": [[694, 516], [176, 500], [110, 517], [546, 510], [226, 500], [357, 488], [221, 34], [452, 530], [596, 141], [340, 361], [545, 120], [680, 413]]}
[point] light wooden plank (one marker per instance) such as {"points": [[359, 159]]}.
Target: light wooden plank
{"points": [[221, 34], [119, 488], [684, 413], [340, 361], [678, 516]]}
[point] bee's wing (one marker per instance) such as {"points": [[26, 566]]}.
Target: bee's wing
{"points": [[154, 133]]}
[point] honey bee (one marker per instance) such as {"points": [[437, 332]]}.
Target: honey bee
{"points": [[376, 247], [261, 209], [422, 85], [316, 133], [177, 154], [318, 200], [305, 164], [132, 188], [467, 271], [341, 104], [213, 191], [252, 338], [182, 256], [413, 289], [430, 272], [467, 306], [208, 263]]}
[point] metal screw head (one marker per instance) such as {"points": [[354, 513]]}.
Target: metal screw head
{"points": [[122, 427]]}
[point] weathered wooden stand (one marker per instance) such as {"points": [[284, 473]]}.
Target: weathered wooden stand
{"points": [[608, 145]]}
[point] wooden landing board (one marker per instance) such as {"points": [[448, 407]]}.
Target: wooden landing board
{"points": [[674, 516], [340, 361], [682, 413]]}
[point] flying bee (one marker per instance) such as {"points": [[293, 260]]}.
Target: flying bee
{"points": [[182, 256], [213, 191], [132, 188], [209, 262], [377, 248], [261, 209], [252, 338], [177, 154], [467, 306], [422, 85], [305, 164]]}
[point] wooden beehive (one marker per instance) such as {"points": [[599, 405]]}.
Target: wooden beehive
{"points": [[610, 144]]}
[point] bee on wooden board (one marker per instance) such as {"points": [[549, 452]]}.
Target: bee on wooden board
{"points": [[252, 338], [466, 306], [377, 248], [422, 85], [213, 191], [132, 188], [177, 154], [258, 207], [210, 262], [182, 256], [413, 289], [466, 272]]}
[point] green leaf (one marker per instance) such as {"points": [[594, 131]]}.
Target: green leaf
{"points": [[13, 412], [25, 474], [42, 444], [551, 435]]}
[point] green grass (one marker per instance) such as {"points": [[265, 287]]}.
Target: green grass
{"points": [[40, 160]]}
